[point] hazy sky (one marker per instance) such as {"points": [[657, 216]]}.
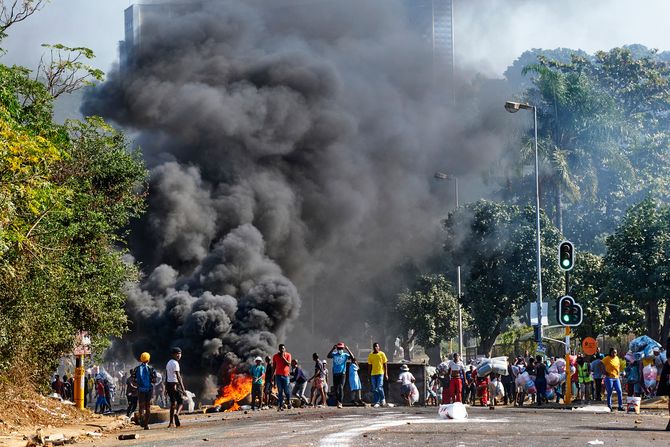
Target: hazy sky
{"points": [[490, 34]]}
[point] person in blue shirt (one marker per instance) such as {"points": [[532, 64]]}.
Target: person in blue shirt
{"points": [[340, 354], [145, 377], [257, 374], [355, 383]]}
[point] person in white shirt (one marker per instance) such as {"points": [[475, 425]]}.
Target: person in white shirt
{"points": [[406, 379], [175, 387], [456, 371]]}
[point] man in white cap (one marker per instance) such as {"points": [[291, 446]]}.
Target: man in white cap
{"points": [[257, 374]]}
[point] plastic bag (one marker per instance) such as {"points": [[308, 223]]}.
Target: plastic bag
{"points": [[454, 411], [642, 343], [553, 379], [414, 394], [550, 394]]}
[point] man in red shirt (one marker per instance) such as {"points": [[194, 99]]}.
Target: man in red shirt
{"points": [[281, 362]]}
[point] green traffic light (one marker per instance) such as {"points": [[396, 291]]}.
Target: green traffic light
{"points": [[566, 263], [566, 318]]}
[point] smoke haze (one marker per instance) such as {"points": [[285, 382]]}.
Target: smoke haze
{"points": [[290, 150]]}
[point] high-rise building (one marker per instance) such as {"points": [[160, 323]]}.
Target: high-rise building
{"points": [[432, 19]]}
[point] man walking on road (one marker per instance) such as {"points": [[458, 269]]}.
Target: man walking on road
{"points": [[378, 374], [175, 387], [340, 359], [456, 371], [281, 362], [145, 377]]}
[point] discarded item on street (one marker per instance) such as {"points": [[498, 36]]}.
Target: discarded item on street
{"points": [[454, 411], [633, 404], [93, 434], [596, 442], [129, 436]]}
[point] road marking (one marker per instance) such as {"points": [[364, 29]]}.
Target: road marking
{"points": [[344, 438]]}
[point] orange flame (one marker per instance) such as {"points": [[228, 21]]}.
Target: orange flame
{"points": [[238, 388]]}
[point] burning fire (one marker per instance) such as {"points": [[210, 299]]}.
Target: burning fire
{"points": [[238, 388]]}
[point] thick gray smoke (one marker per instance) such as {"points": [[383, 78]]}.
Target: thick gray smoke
{"points": [[291, 149]]}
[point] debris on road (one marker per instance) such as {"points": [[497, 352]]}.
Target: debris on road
{"points": [[129, 436], [596, 442]]}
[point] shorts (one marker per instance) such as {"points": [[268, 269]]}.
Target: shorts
{"points": [[145, 397], [405, 389], [173, 393], [318, 383]]}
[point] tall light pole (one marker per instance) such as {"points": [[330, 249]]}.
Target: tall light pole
{"points": [[514, 107], [443, 176]]}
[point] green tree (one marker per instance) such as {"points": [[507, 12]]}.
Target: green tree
{"points": [[67, 193], [638, 267], [495, 243], [430, 311]]}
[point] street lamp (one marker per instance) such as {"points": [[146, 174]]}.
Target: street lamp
{"points": [[443, 176], [514, 107]]}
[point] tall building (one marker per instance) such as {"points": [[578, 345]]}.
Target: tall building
{"points": [[432, 19]]}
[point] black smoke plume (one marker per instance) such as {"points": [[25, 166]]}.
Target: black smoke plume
{"points": [[291, 147]]}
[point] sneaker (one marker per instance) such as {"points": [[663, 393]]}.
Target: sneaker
{"points": [[146, 427], [384, 403], [621, 409], [319, 406], [376, 405]]}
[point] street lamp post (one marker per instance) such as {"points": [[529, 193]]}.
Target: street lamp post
{"points": [[514, 107], [443, 176]]}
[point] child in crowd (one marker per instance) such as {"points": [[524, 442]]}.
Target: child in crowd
{"points": [[355, 383]]}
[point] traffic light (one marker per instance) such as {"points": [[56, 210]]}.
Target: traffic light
{"points": [[566, 256], [568, 312]]}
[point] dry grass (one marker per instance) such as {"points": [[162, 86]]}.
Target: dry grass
{"points": [[24, 408]]}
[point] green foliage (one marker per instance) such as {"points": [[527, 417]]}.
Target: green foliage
{"points": [[430, 309], [637, 267], [66, 196], [495, 243]]}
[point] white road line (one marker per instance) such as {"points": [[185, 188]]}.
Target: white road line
{"points": [[344, 438]]}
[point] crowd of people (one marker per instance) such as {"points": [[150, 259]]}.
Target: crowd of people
{"points": [[490, 382]]}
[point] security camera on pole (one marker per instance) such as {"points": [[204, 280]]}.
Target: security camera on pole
{"points": [[568, 311]]}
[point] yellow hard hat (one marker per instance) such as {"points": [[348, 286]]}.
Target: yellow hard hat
{"points": [[145, 357]]}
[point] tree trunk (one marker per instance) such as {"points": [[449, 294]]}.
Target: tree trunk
{"points": [[434, 355], [665, 331], [486, 344], [651, 314]]}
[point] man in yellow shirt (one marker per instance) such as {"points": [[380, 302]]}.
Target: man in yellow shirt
{"points": [[612, 370], [378, 364]]}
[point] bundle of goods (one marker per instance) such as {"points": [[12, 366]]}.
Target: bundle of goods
{"points": [[558, 366], [497, 365], [550, 393], [524, 380], [555, 378], [650, 373], [644, 347], [453, 411]]}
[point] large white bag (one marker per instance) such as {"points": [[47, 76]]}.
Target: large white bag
{"points": [[454, 411]]}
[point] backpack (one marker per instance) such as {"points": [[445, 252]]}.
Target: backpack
{"points": [[145, 377]]}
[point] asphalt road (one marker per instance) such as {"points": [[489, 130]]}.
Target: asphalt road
{"points": [[407, 426]]}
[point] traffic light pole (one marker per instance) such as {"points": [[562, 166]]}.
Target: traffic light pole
{"points": [[567, 397]]}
